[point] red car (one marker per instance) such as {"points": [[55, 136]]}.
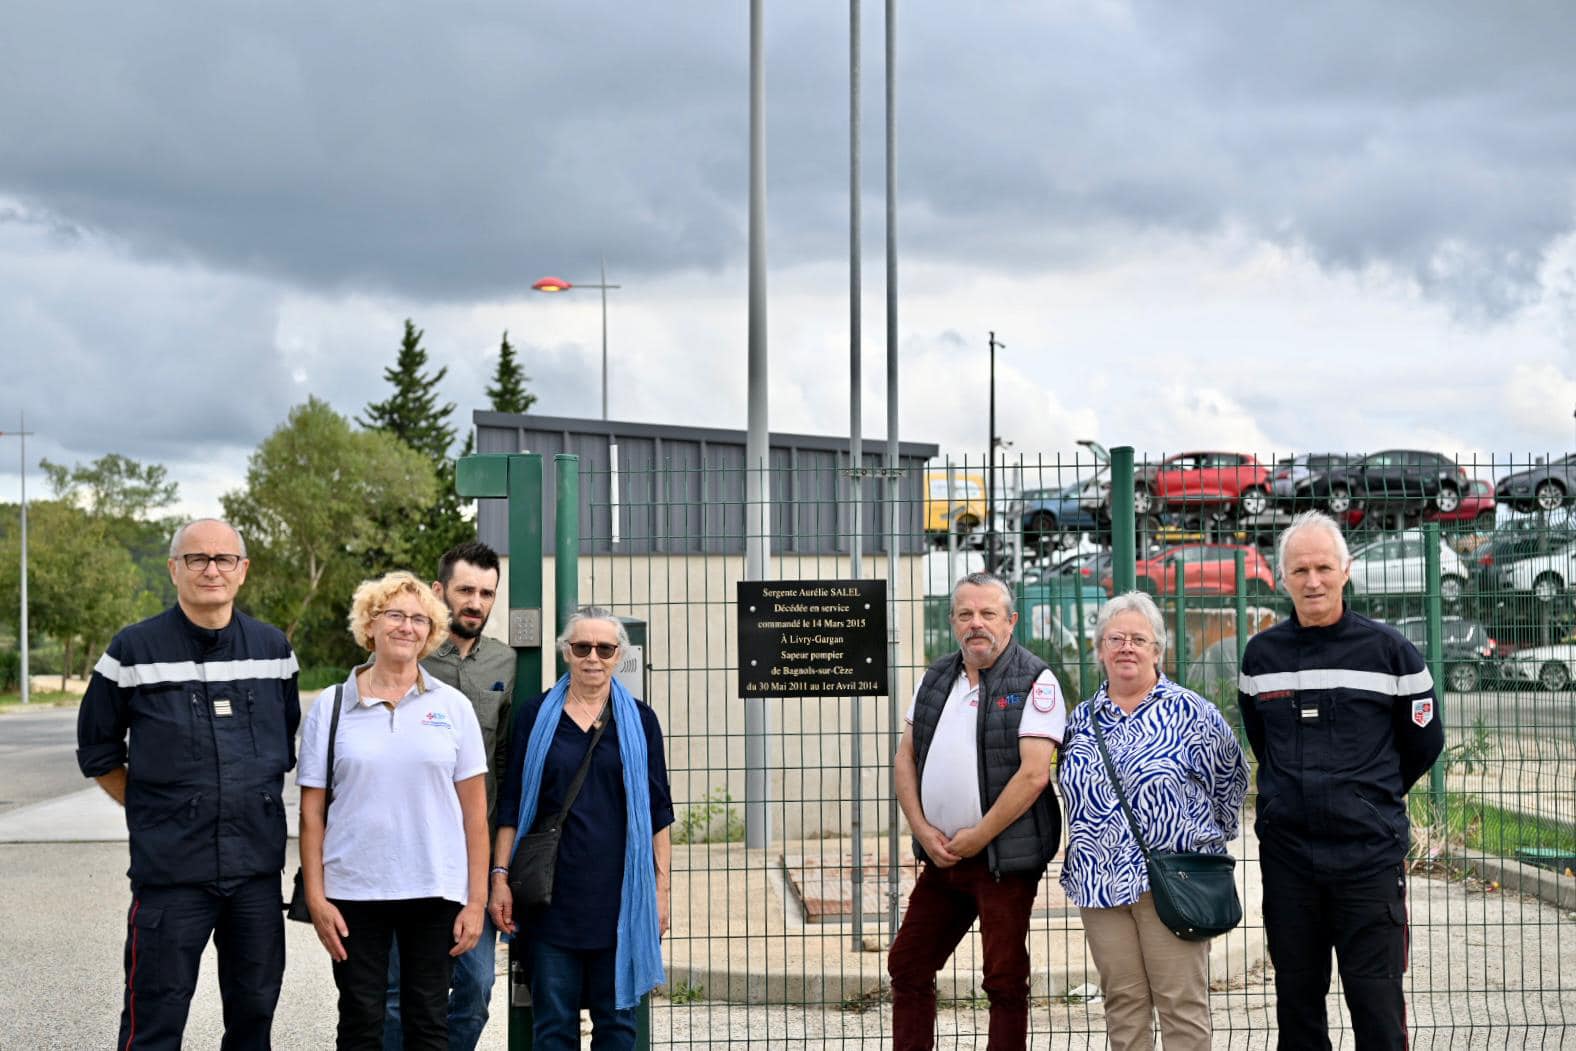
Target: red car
{"points": [[1219, 483], [1208, 569]]}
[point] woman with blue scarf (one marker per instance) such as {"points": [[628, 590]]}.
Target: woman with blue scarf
{"points": [[599, 943]]}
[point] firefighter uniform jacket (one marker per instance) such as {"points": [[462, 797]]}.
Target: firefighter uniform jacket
{"points": [[1343, 721], [212, 718]]}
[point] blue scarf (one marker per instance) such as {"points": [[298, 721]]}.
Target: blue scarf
{"points": [[637, 966]]}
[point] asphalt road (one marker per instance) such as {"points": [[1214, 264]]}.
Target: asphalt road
{"points": [[1550, 717], [38, 756]]}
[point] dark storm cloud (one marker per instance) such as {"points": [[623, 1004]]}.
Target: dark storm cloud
{"points": [[459, 151]]}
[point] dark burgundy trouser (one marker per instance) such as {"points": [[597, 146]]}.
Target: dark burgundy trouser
{"points": [[943, 906]]}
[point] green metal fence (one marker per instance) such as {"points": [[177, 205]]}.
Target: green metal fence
{"points": [[785, 945]]}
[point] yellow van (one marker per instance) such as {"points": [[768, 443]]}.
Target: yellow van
{"points": [[963, 510]]}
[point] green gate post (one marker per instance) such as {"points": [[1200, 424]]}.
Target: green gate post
{"points": [[1124, 544], [1083, 649], [566, 544], [1436, 657], [516, 477], [1242, 604], [1180, 648]]}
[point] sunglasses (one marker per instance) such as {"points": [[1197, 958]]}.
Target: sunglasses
{"points": [[605, 650]]}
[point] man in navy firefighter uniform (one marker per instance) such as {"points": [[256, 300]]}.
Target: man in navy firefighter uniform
{"points": [[1341, 714], [971, 773], [208, 699]]}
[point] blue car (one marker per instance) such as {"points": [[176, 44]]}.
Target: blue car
{"points": [[1056, 517]]}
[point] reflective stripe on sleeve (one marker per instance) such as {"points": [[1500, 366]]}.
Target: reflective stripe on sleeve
{"points": [[151, 674], [1336, 679]]}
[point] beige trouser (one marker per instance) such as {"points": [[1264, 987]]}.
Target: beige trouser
{"points": [[1145, 968]]}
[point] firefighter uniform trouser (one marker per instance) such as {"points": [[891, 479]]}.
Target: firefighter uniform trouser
{"points": [[167, 930], [1364, 920]]}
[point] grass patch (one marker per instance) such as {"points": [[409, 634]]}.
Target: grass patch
{"points": [[1494, 830], [11, 700]]}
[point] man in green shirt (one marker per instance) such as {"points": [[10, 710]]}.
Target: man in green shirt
{"points": [[482, 668]]}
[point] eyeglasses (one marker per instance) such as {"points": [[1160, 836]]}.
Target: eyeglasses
{"points": [[198, 563], [396, 617], [1116, 640], [605, 650]]}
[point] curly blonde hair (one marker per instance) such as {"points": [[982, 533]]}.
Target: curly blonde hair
{"points": [[372, 597]]}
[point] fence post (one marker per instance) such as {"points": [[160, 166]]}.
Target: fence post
{"points": [[1078, 634], [566, 544], [1124, 546], [1242, 604], [518, 478], [1180, 646], [1436, 657]]}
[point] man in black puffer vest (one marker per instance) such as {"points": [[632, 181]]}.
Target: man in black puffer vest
{"points": [[971, 771]]}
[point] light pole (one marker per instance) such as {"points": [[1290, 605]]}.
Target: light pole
{"points": [[21, 630], [990, 464], [558, 284]]}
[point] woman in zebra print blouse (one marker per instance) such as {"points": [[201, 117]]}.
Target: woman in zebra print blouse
{"points": [[1185, 777]]}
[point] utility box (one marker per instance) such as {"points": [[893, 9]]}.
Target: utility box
{"points": [[632, 670]]}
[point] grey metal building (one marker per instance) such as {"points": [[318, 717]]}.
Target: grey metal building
{"points": [[657, 489]]}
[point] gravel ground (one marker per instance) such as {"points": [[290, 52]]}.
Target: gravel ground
{"points": [[1489, 970]]}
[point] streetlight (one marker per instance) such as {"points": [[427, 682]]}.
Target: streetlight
{"points": [[21, 634], [558, 284]]}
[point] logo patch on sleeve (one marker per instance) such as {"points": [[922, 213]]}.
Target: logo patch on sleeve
{"points": [[1044, 697], [1423, 711]]}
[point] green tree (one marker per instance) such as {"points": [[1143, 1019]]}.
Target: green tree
{"points": [[318, 494], [113, 486], [508, 393], [413, 415], [124, 496], [82, 587]]}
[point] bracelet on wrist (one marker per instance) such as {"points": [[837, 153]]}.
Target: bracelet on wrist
{"points": [[498, 870]]}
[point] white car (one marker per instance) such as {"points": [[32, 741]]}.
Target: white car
{"points": [[1545, 575], [1395, 565], [1552, 667]]}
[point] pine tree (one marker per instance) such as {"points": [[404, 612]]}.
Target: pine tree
{"points": [[508, 393], [412, 413]]}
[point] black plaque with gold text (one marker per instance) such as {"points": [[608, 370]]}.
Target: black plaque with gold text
{"points": [[812, 638]]}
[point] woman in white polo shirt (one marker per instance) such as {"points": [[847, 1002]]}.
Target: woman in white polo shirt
{"points": [[404, 855]]}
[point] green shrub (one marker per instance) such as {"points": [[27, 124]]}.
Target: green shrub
{"points": [[714, 820]]}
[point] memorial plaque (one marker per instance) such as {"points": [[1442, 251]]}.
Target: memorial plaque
{"points": [[812, 638]]}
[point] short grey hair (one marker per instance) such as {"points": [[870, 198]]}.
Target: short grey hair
{"points": [[1132, 602], [983, 580], [180, 534], [1311, 520], [591, 613]]}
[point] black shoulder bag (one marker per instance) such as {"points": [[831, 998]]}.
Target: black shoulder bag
{"points": [[297, 909], [1195, 894], [535, 861]]}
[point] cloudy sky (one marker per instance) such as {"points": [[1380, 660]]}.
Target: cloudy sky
{"points": [[1257, 226]]}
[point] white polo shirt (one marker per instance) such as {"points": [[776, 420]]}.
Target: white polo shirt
{"points": [[949, 791], [395, 829]]}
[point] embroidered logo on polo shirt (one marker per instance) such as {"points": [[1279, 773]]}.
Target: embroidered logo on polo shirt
{"points": [[438, 719]]}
